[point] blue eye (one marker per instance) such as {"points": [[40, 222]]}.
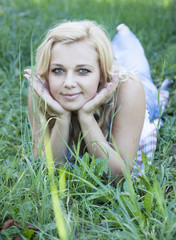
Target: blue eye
{"points": [[84, 71], [57, 70]]}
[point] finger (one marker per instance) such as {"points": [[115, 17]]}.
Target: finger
{"points": [[107, 91], [31, 73], [39, 88], [43, 92], [115, 78], [45, 96], [99, 99], [35, 75], [104, 94], [36, 84], [28, 71], [27, 76]]}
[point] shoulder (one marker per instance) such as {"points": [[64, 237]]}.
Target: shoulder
{"points": [[130, 104], [130, 91]]}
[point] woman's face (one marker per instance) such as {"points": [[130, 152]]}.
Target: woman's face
{"points": [[74, 74]]}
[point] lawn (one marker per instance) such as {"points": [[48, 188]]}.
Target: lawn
{"points": [[91, 207]]}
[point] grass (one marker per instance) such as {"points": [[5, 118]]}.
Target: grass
{"points": [[92, 208]]}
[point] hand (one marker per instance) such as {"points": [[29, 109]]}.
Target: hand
{"points": [[91, 106], [42, 90]]}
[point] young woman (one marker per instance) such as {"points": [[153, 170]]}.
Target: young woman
{"points": [[84, 93]]}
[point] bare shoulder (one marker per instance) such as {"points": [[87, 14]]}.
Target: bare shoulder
{"points": [[131, 93], [130, 106]]}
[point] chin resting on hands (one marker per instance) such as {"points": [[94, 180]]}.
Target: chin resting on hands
{"points": [[104, 94]]}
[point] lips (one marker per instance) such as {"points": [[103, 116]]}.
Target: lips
{"points": [[71, 96]]}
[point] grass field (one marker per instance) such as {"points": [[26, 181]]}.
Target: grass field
{"points": [[92, 208]]}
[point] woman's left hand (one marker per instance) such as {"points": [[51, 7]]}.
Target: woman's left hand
{"points": [[92, 105]]}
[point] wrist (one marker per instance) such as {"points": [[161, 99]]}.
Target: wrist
{"points": [[82, 116], [64, 116], [62, 122]]}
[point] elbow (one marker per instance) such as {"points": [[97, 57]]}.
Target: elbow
{"points": [[121, 167]]}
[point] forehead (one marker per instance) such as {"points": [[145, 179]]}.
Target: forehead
{"points": [[77, 51]]}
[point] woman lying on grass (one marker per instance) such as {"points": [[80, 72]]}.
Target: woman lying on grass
{"points": [[83, 92]]}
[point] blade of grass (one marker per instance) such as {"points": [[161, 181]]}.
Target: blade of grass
{"points": [[60, 221]]}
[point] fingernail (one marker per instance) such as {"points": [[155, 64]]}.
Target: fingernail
{"points": [[25, 76], [26, 70]]}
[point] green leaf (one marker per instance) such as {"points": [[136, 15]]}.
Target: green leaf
{"points": [[85, 160], [145, 181], [28, 233], [148, 200], [101, 166], [146, 161], [92, 164]]}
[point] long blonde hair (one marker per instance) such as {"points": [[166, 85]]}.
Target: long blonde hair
{"points": [[74, 31]]}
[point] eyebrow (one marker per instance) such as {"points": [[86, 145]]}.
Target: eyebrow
{"points": [[78, 66], [56, 64], [84, 65]]}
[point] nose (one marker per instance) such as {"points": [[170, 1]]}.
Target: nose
{"points": [[69, 81]]}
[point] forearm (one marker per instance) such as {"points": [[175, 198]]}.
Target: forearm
{"points": [[59, 139], [98, 146]]}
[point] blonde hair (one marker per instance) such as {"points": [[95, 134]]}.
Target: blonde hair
{"points": [[74, 31]]}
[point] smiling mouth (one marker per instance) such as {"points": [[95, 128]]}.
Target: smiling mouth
{"points": [[71, 96]]}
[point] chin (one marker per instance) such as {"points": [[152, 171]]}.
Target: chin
{"points": [[72, 109]]}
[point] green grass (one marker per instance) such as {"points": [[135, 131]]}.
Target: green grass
{"points": [[91, 206]]}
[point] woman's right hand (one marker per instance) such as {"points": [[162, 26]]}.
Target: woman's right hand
{"points": [[42, 90]]}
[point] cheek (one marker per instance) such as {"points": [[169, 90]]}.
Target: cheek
{"points": [[92, 90], [96, 86], [53, 82], [53, 87], [94, 83]]}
